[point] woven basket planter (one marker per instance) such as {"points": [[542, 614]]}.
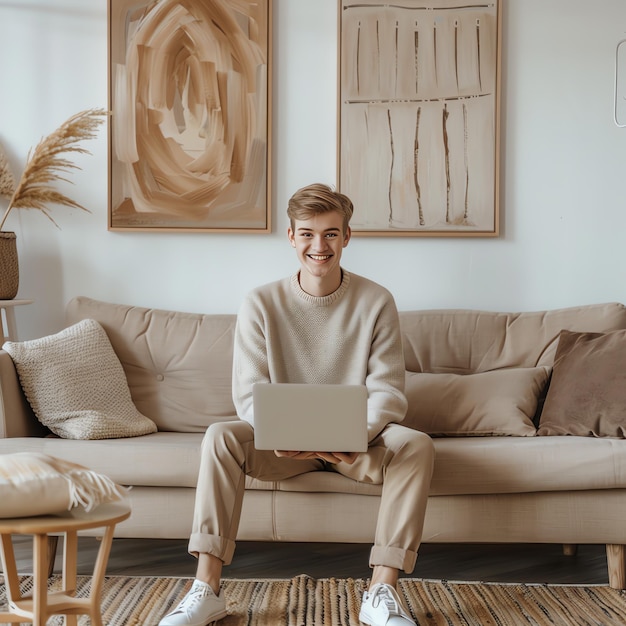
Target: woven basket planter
{"points": [[9, 269]]}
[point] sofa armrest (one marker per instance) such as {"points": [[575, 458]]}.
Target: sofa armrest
{"points": [[16, 417]]}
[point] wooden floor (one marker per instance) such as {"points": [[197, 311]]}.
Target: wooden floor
{"points": [[497, 563]]}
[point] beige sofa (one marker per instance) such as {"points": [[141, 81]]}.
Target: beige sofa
{"points": [[468, 373]]}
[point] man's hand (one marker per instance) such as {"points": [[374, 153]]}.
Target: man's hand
{"points": [[329, 457]]}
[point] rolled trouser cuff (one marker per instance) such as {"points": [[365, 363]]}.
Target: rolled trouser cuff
{"points": [[222, 548], [398, 558]]}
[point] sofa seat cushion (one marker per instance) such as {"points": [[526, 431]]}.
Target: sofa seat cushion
{"points": [[165, 460], [484, 465], [318, 482], [491, 465], [156, 460], [495, 465]]}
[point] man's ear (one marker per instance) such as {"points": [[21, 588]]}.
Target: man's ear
{"points": [[290, 235], [347, 237]]}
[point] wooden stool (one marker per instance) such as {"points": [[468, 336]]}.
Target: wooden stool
{"points": [[39, 605]]}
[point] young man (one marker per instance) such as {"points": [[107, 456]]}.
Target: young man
{"points": [[321, 325]]}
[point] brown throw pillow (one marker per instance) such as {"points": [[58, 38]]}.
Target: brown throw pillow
{"points": [[587, 393]]}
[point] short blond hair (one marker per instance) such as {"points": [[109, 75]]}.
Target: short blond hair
{"points": [[316, 199]]}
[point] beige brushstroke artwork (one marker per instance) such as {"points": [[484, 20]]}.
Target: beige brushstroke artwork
{"points": [[418, 115], [189, 128]]}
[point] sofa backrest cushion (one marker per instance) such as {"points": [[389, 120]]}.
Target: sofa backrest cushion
{"points": [[468, 342], [178, 365]]}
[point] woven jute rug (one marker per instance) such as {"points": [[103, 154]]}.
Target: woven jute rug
{"points": [[304, 601]]}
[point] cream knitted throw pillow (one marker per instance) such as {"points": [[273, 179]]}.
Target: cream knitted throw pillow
{"points": [[76, 384]]}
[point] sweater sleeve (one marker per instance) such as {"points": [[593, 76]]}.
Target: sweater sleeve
{"points": [[385, 372], [250, 359]]}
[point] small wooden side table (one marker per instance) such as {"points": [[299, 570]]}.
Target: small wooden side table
{"points": [[41, 604], [7, 318]]}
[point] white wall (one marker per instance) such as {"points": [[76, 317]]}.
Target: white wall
{"points": [[563, 172]]}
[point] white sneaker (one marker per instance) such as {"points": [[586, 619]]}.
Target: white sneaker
{"points": [[382, 607], [198, 608]]}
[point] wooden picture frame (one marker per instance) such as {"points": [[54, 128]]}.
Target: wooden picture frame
{"points": [[190, 101], [419, 100]]}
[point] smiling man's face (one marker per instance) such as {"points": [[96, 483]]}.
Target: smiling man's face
{"points": [[319, 242]]}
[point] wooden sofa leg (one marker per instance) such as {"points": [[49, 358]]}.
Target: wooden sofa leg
{"points": [[570, 549], [616, 561]]}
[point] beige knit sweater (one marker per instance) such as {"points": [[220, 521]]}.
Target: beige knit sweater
{"points": [[351, 336]]}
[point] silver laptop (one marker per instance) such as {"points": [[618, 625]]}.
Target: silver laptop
{"points": [[319, 418]]}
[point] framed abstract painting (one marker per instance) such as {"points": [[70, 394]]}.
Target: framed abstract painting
{"points": [[419, 98], [189, 135]]}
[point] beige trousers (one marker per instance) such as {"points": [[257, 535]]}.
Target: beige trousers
{"points": [[400, 458]]}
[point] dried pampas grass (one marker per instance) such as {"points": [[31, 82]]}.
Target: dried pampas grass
{"points": [[46, 163], [7, 180]]}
